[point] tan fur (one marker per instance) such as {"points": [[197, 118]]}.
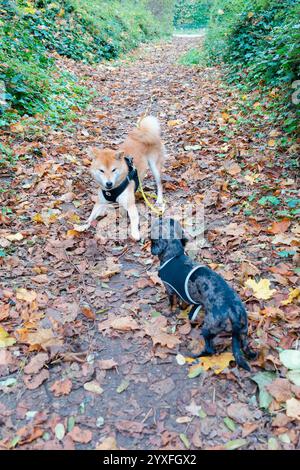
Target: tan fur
{"points": [[144, 145]]}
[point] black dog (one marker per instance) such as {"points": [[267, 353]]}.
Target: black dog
{"points": [[199, 285]]}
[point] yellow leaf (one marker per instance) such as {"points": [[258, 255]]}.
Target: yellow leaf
{"points": [[74, 218], [251, 178], [271, 143], [24, 294], [216, 363], [250, 14], [174, 122], [261, 289], [72, 233], [225, 116], [257, 104], [38, 219], [294, 294], [5, 339]]}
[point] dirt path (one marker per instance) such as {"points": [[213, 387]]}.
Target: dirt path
{"points": [[137, 395]]}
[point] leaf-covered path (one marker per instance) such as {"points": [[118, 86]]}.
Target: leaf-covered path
{"points": [[90, 360]]}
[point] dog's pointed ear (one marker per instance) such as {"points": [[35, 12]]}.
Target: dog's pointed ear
{"points": [[91, 152], [120, 154]]}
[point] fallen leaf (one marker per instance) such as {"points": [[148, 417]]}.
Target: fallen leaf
{"points": [[290, 358], [280, 389], [123, 386], [109, 443], [88, 312], [156, 328], [43, 338], [261, 289], [294, 294], [80, 435], [93, 387], [217, 363], [61, 387], [106, 364], [235, 444], [59, 431], [263, 379], [239, 412], [5, 339], [36, 363], [124, 324], [34, 382], [185, 440], [27, 295], [14, 237], [279, 227], [130, 426], [293, 408], [294, 376]]}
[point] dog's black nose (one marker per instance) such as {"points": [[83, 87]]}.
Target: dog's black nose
{"points": [[109, 185]]}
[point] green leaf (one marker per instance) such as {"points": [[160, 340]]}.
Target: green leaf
{"points": [[71, 423], [14, 442], [185, 440], [294, 376], [273, 444], [235, 444], [195, 372], [230, 423], [59, 431], [123, 386], [263, 379], [290, 358]]}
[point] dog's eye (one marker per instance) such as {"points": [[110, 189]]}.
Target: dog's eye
{"points": [[113, 170], [101, 171]]}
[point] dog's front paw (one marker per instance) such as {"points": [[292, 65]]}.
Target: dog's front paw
{"points": [[81, 228]]}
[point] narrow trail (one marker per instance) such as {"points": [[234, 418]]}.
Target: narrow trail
{"points": [[144, 399]]}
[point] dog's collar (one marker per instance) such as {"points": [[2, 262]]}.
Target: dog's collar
{"points": [[112, 194]]}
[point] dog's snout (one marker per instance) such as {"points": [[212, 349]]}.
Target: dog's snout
{"points": [[108, 184]]}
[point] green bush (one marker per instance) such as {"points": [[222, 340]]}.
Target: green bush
{"points": [[191, 13], [85, 30], [260, 42]]}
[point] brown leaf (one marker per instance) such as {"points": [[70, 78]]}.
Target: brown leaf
{"points": [[61, 387], [280, 389], [279, 227], [239, 412], [106, 364], [124, 324], [248, 428], [43, 338], [156, 329], [109, 443], [130, 426], [80, 435], [36, 380], [88, 312], [36, 363]]}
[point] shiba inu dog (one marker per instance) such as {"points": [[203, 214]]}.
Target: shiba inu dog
{"points": [[118, 172]]}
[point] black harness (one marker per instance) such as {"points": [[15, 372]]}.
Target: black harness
{"points": [[176, 273], [111, 195]]}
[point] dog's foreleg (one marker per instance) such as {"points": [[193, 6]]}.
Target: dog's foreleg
{"points": [[173, 302], [155, 168], [249, 353], [98, 209]]}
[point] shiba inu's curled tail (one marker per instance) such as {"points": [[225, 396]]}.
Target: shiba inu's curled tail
{"points": [[149, 130]]}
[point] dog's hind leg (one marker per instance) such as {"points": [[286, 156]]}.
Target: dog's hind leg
{"points": [[209, 349], [236, 348], [155, 168], [249, 353]]}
